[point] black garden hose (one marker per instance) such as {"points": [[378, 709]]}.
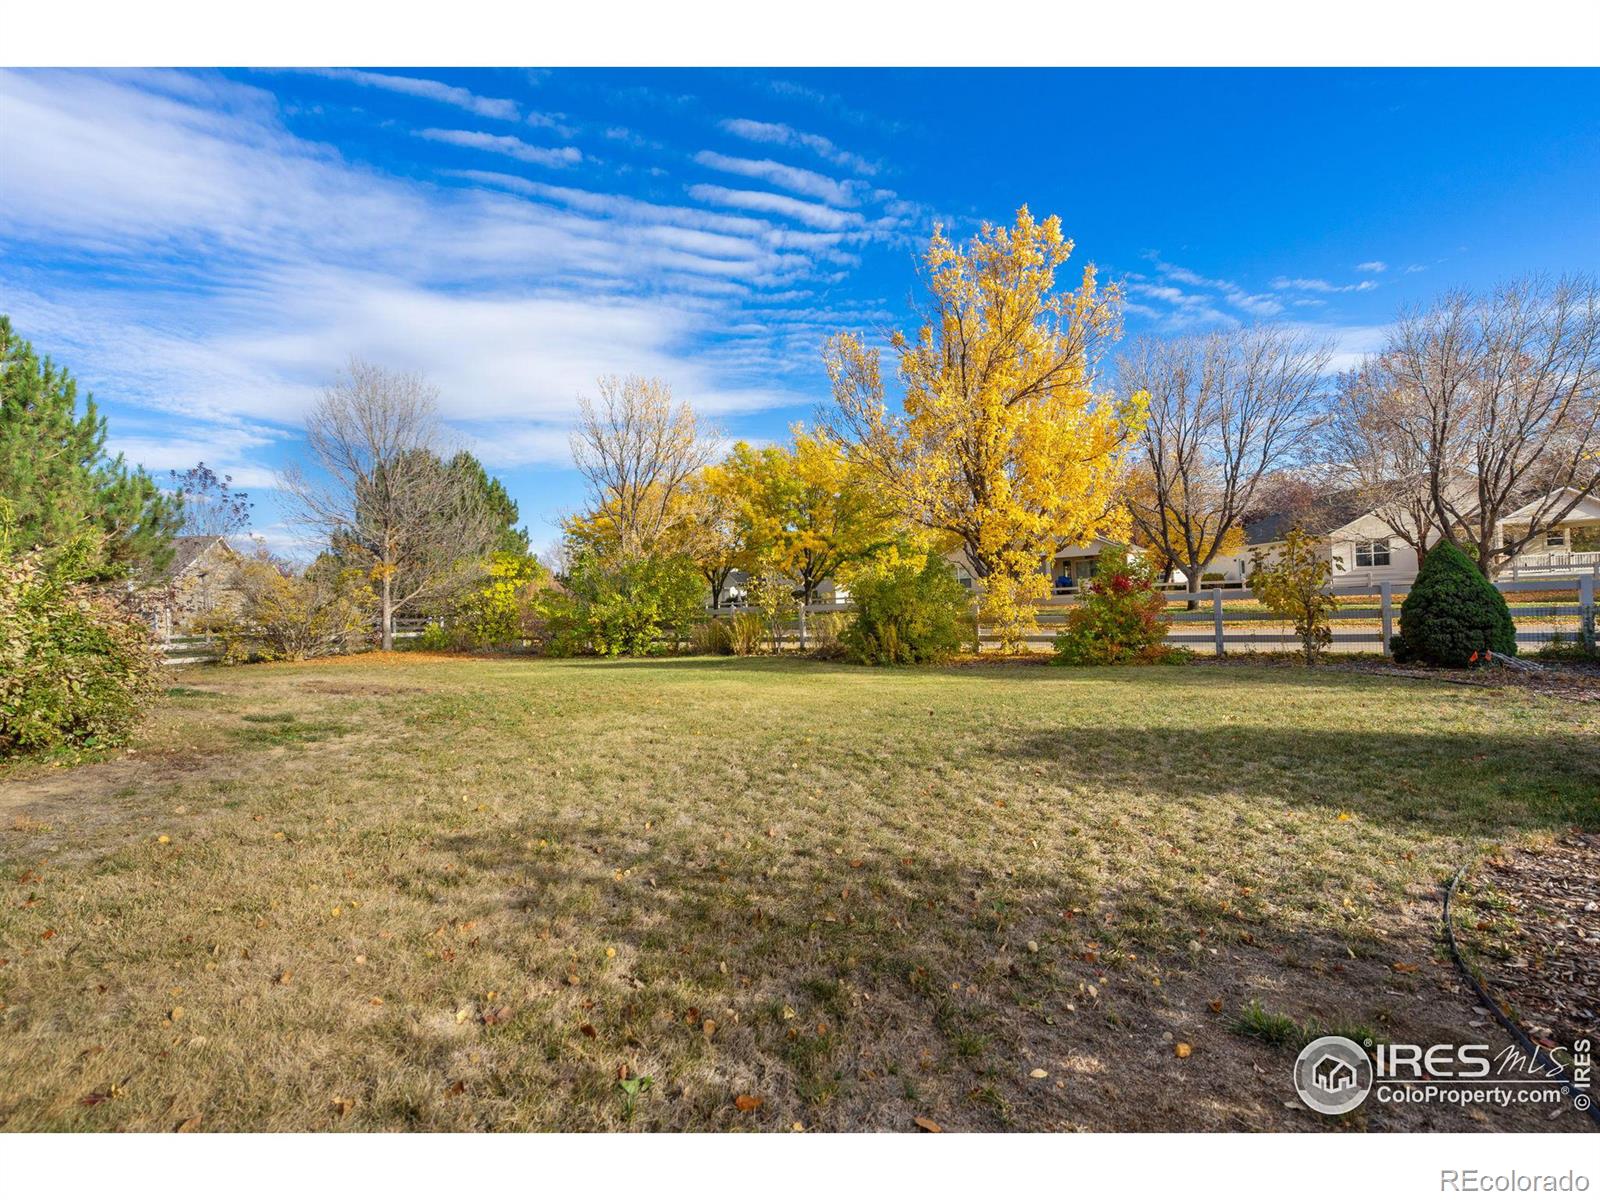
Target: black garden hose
{"points": [[1580, 1099]]}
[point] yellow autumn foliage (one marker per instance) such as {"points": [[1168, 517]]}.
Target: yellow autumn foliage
{"points": [[1005, 439]]}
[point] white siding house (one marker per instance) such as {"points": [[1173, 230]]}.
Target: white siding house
{"points": [[1366, 548]]}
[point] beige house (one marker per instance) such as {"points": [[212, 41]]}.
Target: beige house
{"points": [[203, 578], [1366, 548]]}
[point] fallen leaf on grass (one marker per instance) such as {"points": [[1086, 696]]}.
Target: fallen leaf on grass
{"points": [[1039, 1073], [187, 1125], [1183, 1049], [342, 1105], [928, 1126], [588, 1031], [1404, 968], [456, 1088], [497, 1016], [1214, 1005], [747, 1103]]}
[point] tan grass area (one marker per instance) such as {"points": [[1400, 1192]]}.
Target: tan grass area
{"points": [[427, 892]]}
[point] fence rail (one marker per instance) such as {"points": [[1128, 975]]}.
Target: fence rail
{"points": [[1362, 629], [194, 650]]}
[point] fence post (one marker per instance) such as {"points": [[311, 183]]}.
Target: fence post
{"points": [[1386, 591], [1216, 618], [1586, 609]]}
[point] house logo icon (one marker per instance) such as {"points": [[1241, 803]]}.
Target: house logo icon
{"points": [[1332, 1075]]}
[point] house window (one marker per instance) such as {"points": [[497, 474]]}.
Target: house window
{"points": [[1373, 554], [1555, 539]]}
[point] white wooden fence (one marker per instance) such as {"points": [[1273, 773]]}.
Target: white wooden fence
{"points": [[1214, 627], [191, 650]]}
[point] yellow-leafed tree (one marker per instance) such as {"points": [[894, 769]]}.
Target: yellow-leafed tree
{"points": [[1006, 439], [806, 509], [708, 525]]}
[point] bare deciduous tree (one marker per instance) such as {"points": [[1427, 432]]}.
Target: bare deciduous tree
{"points": [[637, 451], [379, 491], [1226, 410], [1372, 446], [1508, 389]]}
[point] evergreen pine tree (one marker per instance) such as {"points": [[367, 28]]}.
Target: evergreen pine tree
{"points": [[57, 477]]}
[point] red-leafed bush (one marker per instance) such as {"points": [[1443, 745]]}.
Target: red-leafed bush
{"points": [[1121, 618]]}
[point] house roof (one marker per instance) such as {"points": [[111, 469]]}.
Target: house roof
{"points": [[1328, 514], [186, 551], [1587, 509]]}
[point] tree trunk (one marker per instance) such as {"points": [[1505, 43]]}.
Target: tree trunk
{"points": [[805, 596], [1193, 587], [388, 612]]}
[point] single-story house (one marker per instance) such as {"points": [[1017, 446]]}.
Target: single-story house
{"points": [[1367, 548], [1069, 567], [201, 579]]}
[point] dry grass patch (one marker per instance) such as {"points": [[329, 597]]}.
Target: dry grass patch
{"points": [[447, 893]]}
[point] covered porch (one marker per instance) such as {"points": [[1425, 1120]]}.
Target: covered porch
{"points": [[1570, 547]]}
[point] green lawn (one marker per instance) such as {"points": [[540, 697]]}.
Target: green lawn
{"points": [[417, 892]]}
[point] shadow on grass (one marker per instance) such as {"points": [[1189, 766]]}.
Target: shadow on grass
{"points": [[872, 990], [1433, 782]]}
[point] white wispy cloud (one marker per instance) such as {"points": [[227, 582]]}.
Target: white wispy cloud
{"points": [[1376, 266], [819, 216], [514, 147], [774, 133], [264, 260], [1284, 284], [1227, 291], [794, 179], [427, 89]]}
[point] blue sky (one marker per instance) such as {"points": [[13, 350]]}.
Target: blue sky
{"points": [[205, 249]]}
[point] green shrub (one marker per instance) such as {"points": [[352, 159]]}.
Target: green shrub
{"points": [[77, 667], [907, 610], [633, 607], [503, 610], [1453, 615], [772, 596], [1120, 619], [1294, 583]]}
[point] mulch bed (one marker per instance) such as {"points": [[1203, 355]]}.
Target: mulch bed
{"points": [[1535, 923]]}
